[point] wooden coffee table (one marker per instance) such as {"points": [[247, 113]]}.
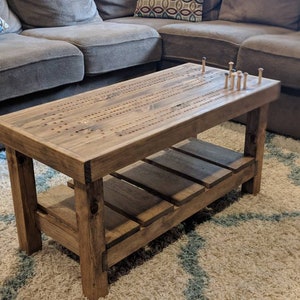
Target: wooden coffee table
{"points": [[135, 166]]}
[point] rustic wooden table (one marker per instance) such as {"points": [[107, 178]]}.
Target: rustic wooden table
{"points": [[136, 168]]}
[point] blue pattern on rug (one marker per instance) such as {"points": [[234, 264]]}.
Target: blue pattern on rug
{"points": [[42, 180], [235, 220], [288, 159], [25, 271], [7, 219], [189, 261], [190, 253], [2, 155]]}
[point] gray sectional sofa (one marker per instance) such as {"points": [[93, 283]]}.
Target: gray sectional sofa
{"points": [[54, 49]]}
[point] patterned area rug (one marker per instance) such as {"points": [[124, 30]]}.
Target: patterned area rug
{"points": [[240, 247]]}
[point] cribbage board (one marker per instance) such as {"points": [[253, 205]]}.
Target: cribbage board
{"points": [[116, 115], [135, 164], [135, 105]]}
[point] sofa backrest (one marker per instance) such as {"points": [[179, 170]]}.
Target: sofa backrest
{"points": [[44, 13], [279, 13], [110, 9], [270, 12]]}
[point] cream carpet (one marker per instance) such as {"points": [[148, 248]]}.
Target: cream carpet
{"points": [[241, 247]]}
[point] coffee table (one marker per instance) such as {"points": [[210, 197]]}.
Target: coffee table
{"points": [[135, 166]]}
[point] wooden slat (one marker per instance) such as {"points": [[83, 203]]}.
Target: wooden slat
{"points": [[190, 167], [218, 155], [174, 188], [133, 202], [117, 227], [59, 203], [59, 231]]}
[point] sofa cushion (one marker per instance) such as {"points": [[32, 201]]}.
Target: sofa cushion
{"points": [[10, 18], [110, 9], [187, 10], [155, 23], [219, 41], [271, 12], [46, 13], [108, 46], [279, 55], [29, 64]]}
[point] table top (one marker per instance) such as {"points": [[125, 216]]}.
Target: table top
{"points": [[86, 136]]}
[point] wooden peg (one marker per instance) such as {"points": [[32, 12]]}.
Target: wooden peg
{"points": [[245, 80], [203, 63], [260, 73], [231, 63], [226, 80], [239, 79], [232, 80]]}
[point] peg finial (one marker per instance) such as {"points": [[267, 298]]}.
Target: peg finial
{"points": [[231, 63]]}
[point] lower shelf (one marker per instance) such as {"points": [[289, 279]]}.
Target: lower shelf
{"points": [[147, 198]]}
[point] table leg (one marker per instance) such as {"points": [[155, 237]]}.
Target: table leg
{"points": [[89, 204], [25, 200], [254, 145]]}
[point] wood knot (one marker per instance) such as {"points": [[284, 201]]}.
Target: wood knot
{"points": [[94, 207]]}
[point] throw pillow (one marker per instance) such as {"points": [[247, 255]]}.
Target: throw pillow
{"points": [[187, 10], [270, 12], [3, 25], [9, 18], [110, 9], [53, 13], [211, 10]]}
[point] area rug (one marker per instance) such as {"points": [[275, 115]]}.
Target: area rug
{"points": [[240, 247]]}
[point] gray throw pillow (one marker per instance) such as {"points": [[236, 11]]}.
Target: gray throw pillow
{"points": [[211, 9], [282, 13], [53, 13], [13, 23], [110, 9]]}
